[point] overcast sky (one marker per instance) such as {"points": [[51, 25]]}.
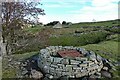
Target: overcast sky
{"points": [[79, 10]]}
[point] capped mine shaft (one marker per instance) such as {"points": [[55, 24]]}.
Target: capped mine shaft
{"points": [[69, 61]]}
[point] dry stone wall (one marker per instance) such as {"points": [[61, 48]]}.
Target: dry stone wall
{"points": [[70, 67]]}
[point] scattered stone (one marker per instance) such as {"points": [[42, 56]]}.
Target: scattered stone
{"points": [[49, 76], [105, 68], [98, 75], [106, 74], [24, 72], [9, 65], [99, 58], [24, 64], [93, 76], [10, 60], [36, 75]]}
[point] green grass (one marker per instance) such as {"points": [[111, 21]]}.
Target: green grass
{"points": [[116, 73], [9, 72], [34, 29], [106, 46], [25, 55], [114, 37]]}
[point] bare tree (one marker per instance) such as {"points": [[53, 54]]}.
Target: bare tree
{"points": [[14, 15]]}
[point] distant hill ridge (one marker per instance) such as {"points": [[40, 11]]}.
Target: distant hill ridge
{"points": [[100, 21], [109, 23]]}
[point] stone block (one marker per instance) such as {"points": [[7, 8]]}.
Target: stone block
{"points": [[83, 65], [42, 51], [65, 61], [59, 70], [65, 73], [64, 69], [60, 66], [84, 71], [99, 58], [46, 69], [58, 60], [99, 69], [60, 47], [69, 73], [59, 74], [105, 68], [83, 50], [92, 72], [90, 68], [74, 62], [50, 59], [88, 61], [91, 63], [92, 55], [75, 48], [78, 58], [36, 74], [52, 70], [83, 59], [78, 75], [75, 67], [68, 47], [72, 76], [53, 66], [48, 76]]}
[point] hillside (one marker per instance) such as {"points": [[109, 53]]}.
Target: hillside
{"points": [[110, 23], [100, 37]]}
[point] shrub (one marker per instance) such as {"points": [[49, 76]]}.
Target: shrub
{"points": [[83, 39], [113, 30]]}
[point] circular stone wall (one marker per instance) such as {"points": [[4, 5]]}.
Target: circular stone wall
{"points": [[55, 67]]}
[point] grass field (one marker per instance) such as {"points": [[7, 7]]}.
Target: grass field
{"points": [[110, 47]]}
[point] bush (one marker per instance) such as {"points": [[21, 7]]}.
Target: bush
{"points": [[83, 39], [113, 30]]}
